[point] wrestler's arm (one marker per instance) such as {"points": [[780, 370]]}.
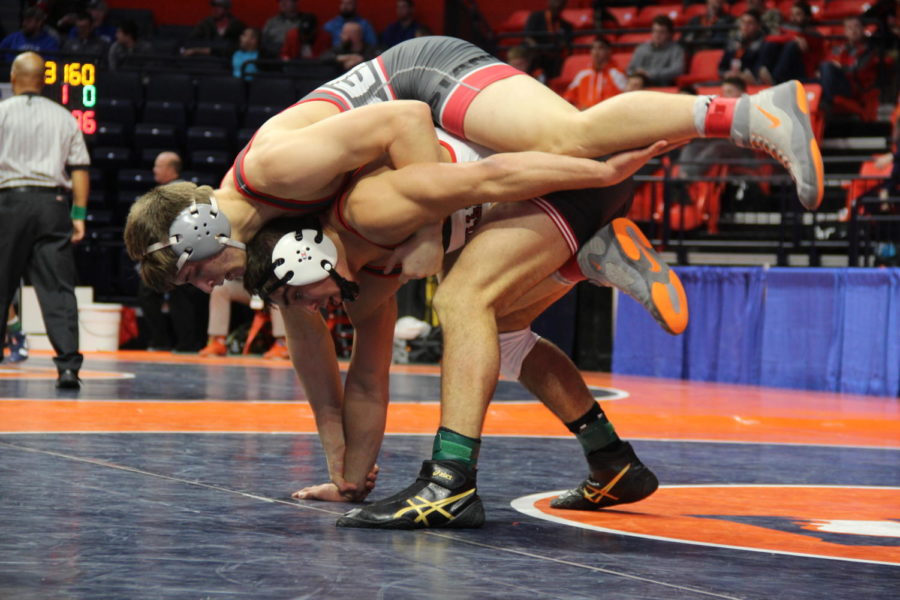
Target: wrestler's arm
{"points": [[391, 205], [287, 159], [315, 362], [366, 390]]}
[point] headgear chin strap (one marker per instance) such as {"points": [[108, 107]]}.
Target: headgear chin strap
{"points": [[197, 233], [304, 257]]}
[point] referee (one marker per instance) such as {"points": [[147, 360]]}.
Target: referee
{"points": [[39, 140]]}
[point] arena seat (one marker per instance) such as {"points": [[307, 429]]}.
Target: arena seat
{"points": [[165, 111], [624, 15], [155, 135], [704, 68], [839, 9], [271, 92], [210, 161], [515, 21], [645, 15], [171, 87], [207, 137]]}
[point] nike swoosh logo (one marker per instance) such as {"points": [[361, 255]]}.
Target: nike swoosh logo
{"points": [[775, 121]]}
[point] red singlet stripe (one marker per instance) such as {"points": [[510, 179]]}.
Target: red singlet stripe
{"points": [[454, 113]]}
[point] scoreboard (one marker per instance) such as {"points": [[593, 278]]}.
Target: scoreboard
{"points": [[73, 84]]}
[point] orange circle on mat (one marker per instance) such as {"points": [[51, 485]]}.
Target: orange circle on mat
{"points": [[835, 522]]}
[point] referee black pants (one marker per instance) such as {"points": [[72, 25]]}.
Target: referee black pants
{"points": [[35, 238]]}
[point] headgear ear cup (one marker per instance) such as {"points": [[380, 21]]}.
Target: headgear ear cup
{"points": [[304, 257], [198, 232]]}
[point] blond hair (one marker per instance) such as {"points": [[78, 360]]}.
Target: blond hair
{"points": [[148, 222]]}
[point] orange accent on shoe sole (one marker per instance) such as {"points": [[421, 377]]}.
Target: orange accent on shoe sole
{"points": [[820, 170], [626, 232], [677, 320], [801, 99]]}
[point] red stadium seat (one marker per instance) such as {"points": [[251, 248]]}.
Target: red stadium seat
{"points": [[580, 18], [571, 66], [514, 22], [633, 39], [624, 15], [646, 14], [838, 9], [704, 67]]}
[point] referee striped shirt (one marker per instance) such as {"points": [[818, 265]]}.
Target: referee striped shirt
{"points": [[38, 140]]}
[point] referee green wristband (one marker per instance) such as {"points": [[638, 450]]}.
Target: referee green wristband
{"points": [[78, 212]]}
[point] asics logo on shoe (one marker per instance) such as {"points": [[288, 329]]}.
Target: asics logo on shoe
{"points": [[596, 494], [442, 474], [775, 121], [424, 508]]}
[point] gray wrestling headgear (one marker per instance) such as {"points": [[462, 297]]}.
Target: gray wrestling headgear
{"points": [[197, 233], [304, 257]]}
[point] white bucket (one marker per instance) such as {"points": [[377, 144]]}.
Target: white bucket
{"points": [[98, 326]]}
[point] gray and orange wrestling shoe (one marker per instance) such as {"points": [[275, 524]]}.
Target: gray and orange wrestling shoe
{"points": [[619, 255], [777, 121]]}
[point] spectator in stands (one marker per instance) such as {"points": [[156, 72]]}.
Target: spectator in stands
{"points": [[304, 40], [33, 35], [661, 59], [276, 29], [597, 83], [796, 51], [247, 52], [522, 58], [635, 82], [709, 30], [769, 18], [404, 28], [353, 48], [552, 35], [99, 22], [743, 56], [347, 12], [218, 33], [85, 40], [126, 44], [851, 68], [220, 299]]}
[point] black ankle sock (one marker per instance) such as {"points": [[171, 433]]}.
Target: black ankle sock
{"points": [[594, 431]]}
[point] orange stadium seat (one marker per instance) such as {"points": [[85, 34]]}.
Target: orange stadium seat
{"points": [[704, 67], [621, 60], [571, 66], [633, 39], [646, 14], [858, 187]]}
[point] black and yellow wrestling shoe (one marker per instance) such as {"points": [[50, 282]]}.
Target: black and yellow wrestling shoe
{"points": [[617, 477], [443, 496]]}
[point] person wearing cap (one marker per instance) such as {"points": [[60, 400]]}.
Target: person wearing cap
{"points": [[41, 142], [217, 34]]}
